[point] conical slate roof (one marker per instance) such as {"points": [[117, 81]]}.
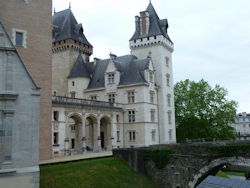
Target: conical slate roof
{"points": [[156, 26], [81, 69], [65, 27]]}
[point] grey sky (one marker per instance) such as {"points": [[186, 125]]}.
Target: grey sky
{"points": [[211, 37]]}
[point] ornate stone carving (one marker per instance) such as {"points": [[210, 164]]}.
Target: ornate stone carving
{"points": [[56, 126]]}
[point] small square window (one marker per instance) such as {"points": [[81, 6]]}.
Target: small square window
{"points": [[93, 97], [73, 95], [111, 98], [131, 97]]}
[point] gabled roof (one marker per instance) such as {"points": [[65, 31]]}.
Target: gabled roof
{"points": [[65, 27], [129, 66], [156, 26], [9, 46], [81, 69]]}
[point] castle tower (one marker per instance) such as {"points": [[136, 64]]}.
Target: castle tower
{"points": [[151, 37], [28, 24], [68, 42]]}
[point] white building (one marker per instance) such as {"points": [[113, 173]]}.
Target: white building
{"points": [[137, 88], [242, 126]]}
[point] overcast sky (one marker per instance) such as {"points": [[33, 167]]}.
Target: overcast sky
{"points": [[211, 37]]}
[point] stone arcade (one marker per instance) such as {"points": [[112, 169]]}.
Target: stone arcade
{"points": [[119, 102]]}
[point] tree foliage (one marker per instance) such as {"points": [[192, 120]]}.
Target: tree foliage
{"points": [[203, 112]]}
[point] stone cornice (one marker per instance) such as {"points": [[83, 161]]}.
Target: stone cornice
{"points": [[8, 96]]}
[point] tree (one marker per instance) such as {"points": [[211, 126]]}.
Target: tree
{"points": [[203, 112]]}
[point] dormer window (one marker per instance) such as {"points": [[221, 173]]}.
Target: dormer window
{"points": [[111, 78], [150, 76]]}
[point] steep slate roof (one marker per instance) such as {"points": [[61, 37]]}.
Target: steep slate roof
{"points": [[156, 26], [215, 182], [129, 66], [81, 69], [65, 27]]}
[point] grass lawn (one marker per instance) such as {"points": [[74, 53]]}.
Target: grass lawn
{"points": [[108, 172], [235, 173], [222, 174]]}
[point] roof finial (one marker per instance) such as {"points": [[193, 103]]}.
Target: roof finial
{"points": [[69, 5], [149, 54], [54, 9]]}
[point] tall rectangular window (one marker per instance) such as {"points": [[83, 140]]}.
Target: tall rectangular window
{"points": [[150, 76], [168, 79], [117, 118], [167, 61], [170, 134], [132, 135], [131, 116], [153, 135], [169, 117], [152, 115], [118, 135], [55, 140], [151, 96], [169, 99], [111, 78], [54, 93], [19, 39], [112, 98], [244, 126], [73, 83], [131, 96], [56, 114]]}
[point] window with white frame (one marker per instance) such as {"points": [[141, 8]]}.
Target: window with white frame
{"points": [[19, 37], [153, 134], [168, 79], [151, 74], [169, 117], [73, 95], [111, 97], [131, 96], [169, 99], [131, 116], [245, 133], [152, 115], [151, 97], [167, 61], [170, 134], [55, 139], [93, 97], [244, 126], [73, 127], [132, 136], [111, 78]]}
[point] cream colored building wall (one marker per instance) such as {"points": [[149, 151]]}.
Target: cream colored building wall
{"points": [[160, 48], [80, 83]]}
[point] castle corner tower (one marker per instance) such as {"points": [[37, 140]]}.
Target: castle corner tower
{"points": [[151, 36]]}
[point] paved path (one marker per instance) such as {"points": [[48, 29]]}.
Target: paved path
{"points": [[87, 155], [238, 177]]}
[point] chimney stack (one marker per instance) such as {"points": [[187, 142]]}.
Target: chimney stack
{"points": [[144, 20]]}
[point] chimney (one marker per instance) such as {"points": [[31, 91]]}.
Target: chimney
{"points": [[144, 19], [112, 56], [137, 22], [96, 60]]}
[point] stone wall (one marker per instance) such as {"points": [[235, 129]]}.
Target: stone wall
{"points": [[190, 164]]}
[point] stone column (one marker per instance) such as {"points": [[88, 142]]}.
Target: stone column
{"points": [[66, 141], [83, 136], [97, 137], [110, 136]]}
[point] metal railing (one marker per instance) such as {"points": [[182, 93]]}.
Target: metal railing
{"points": [[84, 102]]}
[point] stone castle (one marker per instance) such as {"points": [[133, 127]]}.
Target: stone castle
{"points": [[139, 86]]}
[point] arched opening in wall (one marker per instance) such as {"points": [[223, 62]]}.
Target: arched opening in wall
{"points": [[90, 128], [212, 172], [75, 134], [105, 133], [239, 163]]}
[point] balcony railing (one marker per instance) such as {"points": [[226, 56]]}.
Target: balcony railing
{"points": [[84, 102]]}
